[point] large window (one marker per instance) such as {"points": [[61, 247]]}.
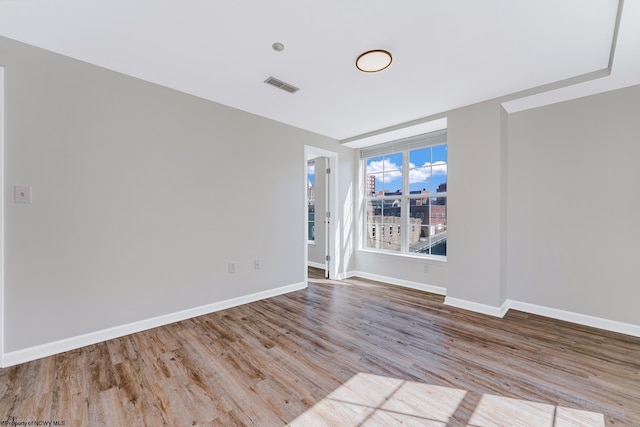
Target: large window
{"points": [[405, 195]]}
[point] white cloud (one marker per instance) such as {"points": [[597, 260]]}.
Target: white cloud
{"points": [[392, 172], [439, 168], [422, 173], [417, 175]]}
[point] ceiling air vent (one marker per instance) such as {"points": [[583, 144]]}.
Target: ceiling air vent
{"points": [[281, 85]]}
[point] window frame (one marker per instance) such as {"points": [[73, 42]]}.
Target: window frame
{"points": [[403, 147]]}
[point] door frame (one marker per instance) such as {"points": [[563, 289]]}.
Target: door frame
{"points": [[2, 202], [310, 153]]}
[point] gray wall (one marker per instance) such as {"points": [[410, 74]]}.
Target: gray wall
{"points": [[472, 271], [475, 214], [141, 197], [574, 206], [543, 209]]}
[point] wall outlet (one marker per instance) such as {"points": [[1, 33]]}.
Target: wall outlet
{"points": [[22, 194], [256, 264], [232, 267]]}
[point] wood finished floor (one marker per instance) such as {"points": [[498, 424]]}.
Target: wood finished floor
{"points": [[345, 353]]}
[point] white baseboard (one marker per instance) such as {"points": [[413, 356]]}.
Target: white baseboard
{"points": [[580, 319], [342, 276], [393, 281], [477, 307], [44, 350], [553, 313], [316, 265]]}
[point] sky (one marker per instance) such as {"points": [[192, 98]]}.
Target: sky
{"points": [[311, 174], [427, 169]]}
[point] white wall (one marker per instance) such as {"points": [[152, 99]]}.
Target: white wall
{"points": [[414, 272], [543, 211], [473, 268], [574, 206], [475, 204], [141, 197]]}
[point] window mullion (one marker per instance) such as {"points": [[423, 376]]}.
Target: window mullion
{"points": [[404, 211]]}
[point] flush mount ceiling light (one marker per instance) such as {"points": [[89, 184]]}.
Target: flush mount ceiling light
{"points": [[373, 61]]}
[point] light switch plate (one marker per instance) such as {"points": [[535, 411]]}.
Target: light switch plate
{"points": [[22, 194]]}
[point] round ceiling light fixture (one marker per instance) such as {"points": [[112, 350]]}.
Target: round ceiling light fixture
{"points": [[373, 61], [278, 47]]}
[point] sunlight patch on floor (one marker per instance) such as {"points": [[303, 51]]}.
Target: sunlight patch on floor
{"points": [[495, 410], [367, 399], [374, 400]]}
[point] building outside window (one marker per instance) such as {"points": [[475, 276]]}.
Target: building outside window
{"points": [[406, 189]]}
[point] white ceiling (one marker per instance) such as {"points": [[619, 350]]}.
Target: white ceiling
{"points": [[446, 54]]}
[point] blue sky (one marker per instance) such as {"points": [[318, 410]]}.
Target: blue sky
{"points": [[427, 169], [310, 175]]}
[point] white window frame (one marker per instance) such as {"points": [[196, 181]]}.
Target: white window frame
{"points": [[403, 146]]}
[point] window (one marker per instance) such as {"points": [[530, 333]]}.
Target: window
{"points": [[311, 221], [406, 189]]}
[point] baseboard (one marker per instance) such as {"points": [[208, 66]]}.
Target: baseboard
{"points": [[342, 276], [394, 281], [477, 307], [44, 350], [553, 313], [577, 318], [316, 265], [580, 319]]}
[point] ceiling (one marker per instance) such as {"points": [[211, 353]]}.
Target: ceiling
{"points": [[446, 54]]}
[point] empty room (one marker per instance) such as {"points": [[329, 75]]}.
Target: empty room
{"points": [[306, 213]]}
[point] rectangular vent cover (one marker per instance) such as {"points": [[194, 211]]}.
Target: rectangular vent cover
{"points": [[281, 85]]}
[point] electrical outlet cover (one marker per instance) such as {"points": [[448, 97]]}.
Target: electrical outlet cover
{"points": [[22, 194]]}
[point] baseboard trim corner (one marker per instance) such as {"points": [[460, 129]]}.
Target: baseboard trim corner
{"points": [[67, 344], [489, 310]]}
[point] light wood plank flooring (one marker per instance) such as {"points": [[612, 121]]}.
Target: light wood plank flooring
{"points": [[347, 353]]}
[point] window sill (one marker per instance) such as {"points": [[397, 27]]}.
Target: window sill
{"points": [[311, 242], [430, 258]]}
